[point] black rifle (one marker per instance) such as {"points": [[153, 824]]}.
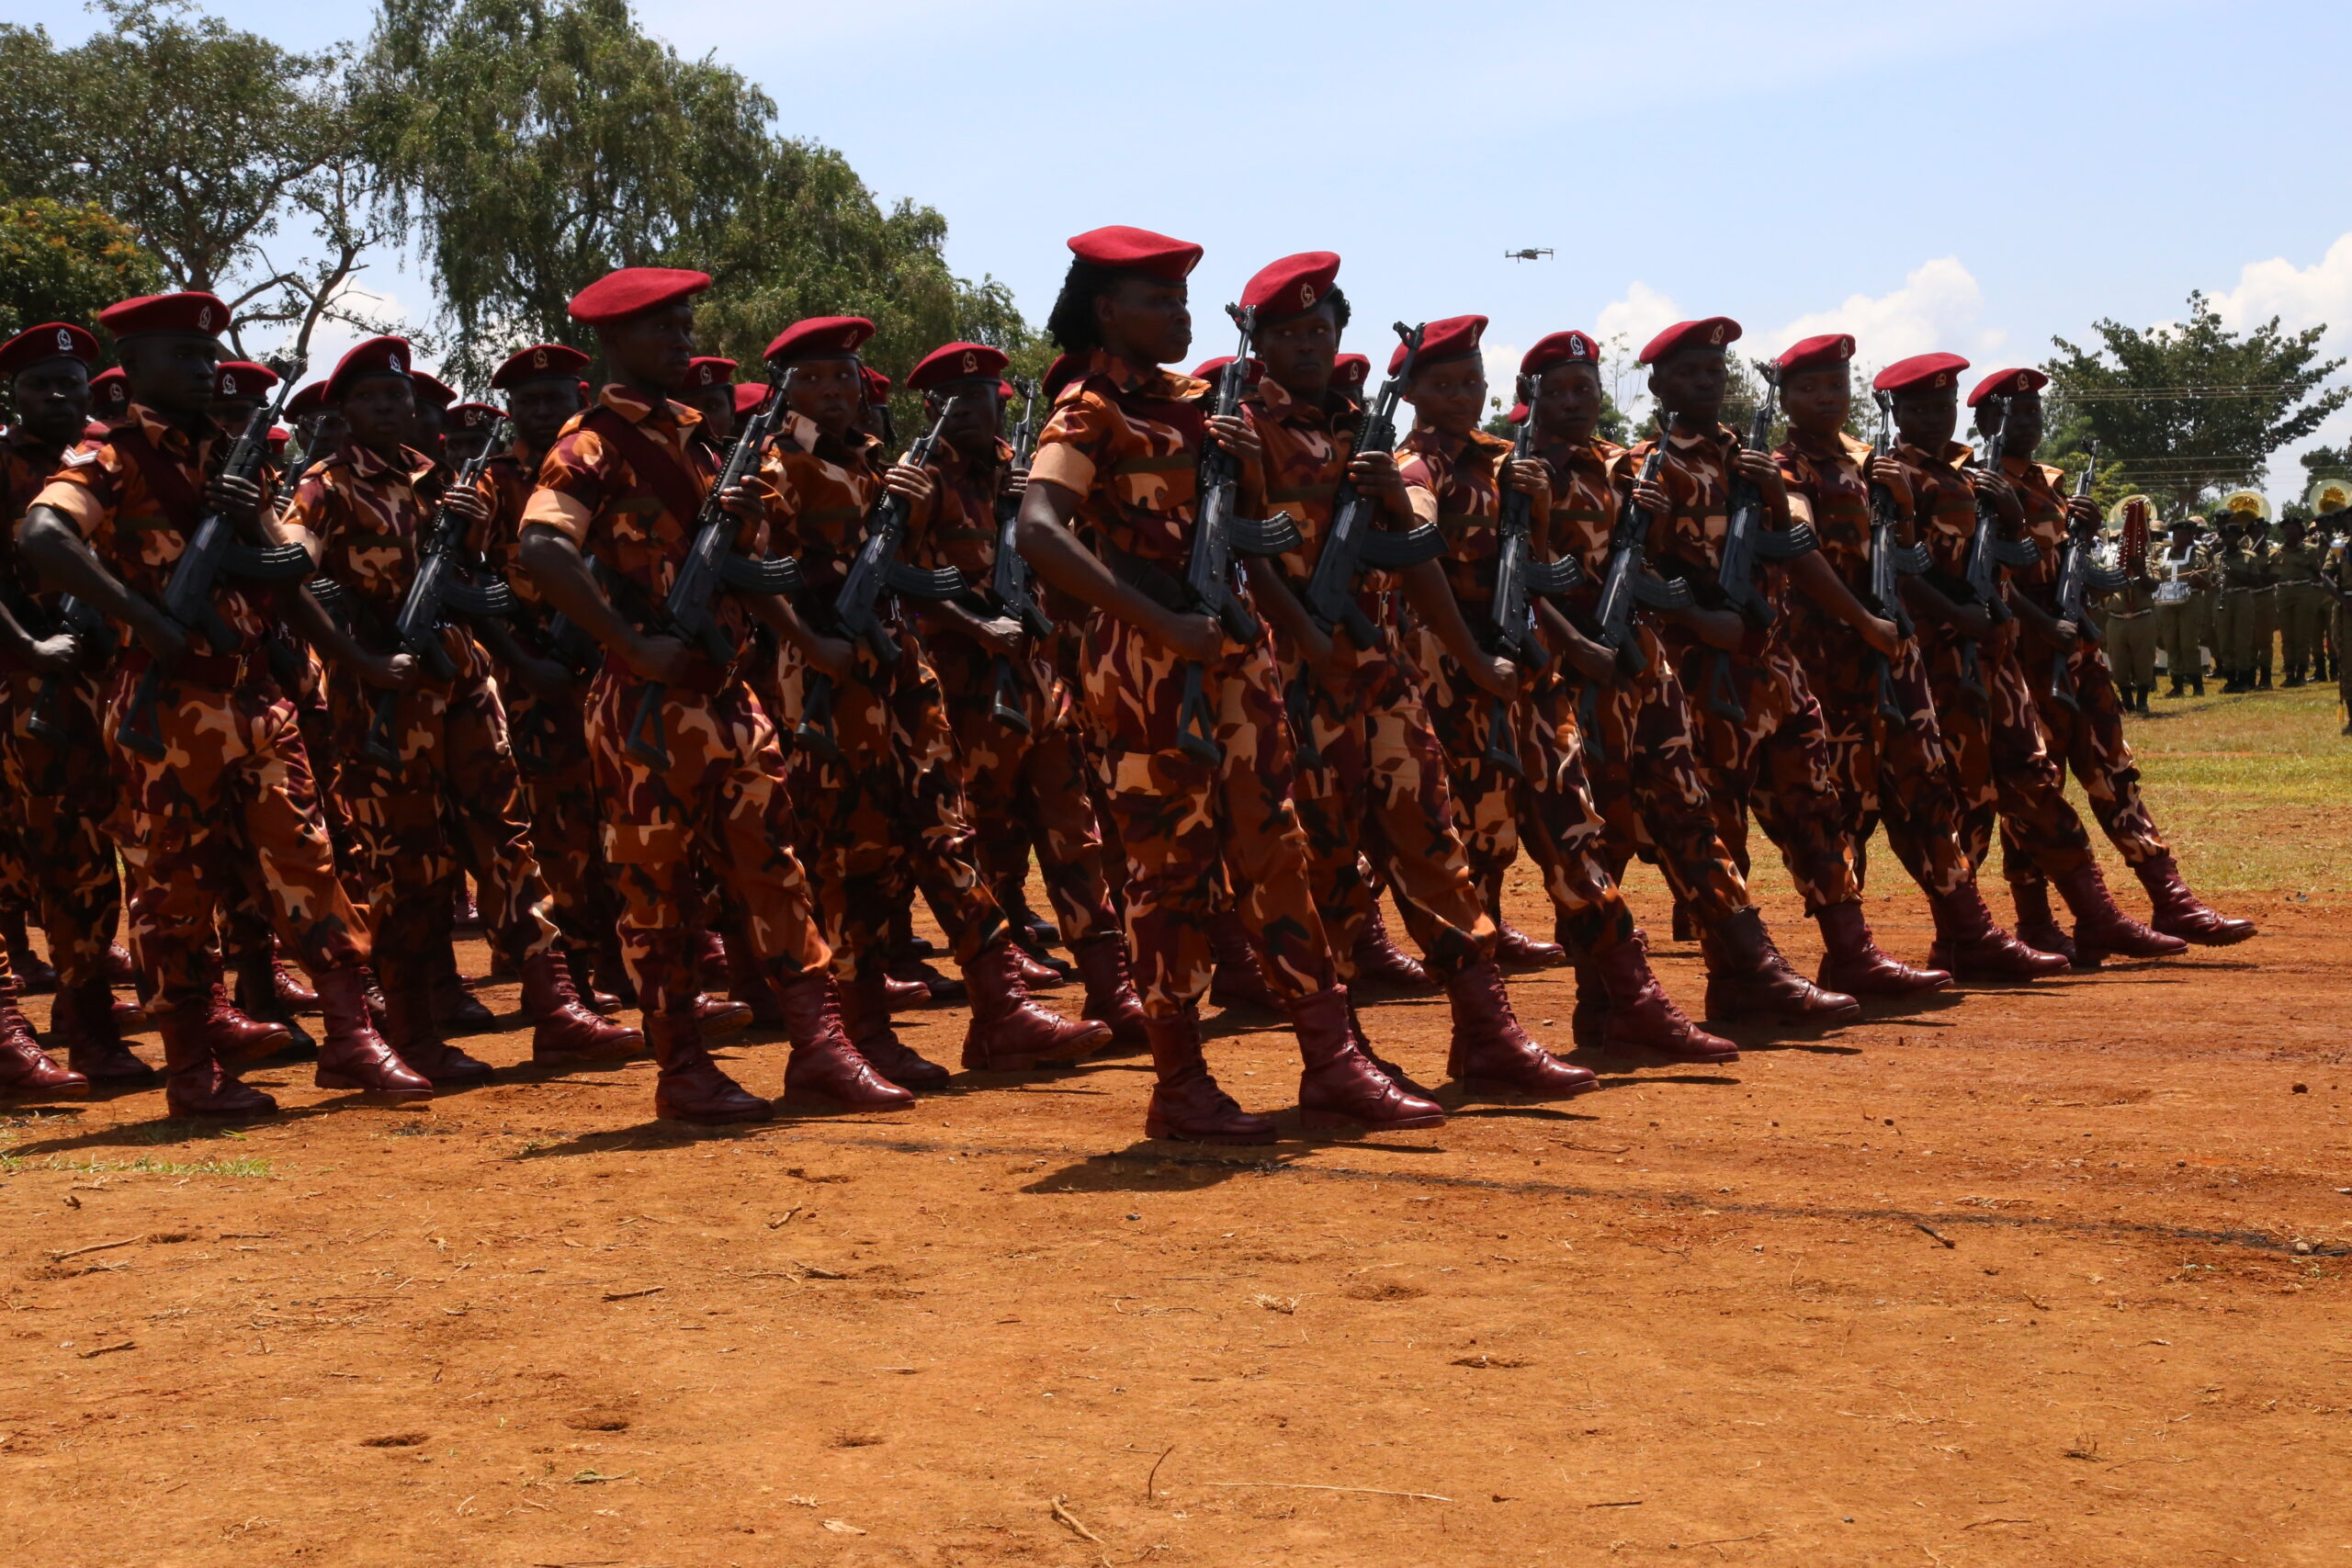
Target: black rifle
{"points": [[2079, 574], [714, 565], [1219, 534], [1746, 541], [442, 585], [1356, 543], [1626, 583], [1989, 552], [1519, 579], [857, 607], [215, 552], [1009, 581], [1889, 560], [96, 643]]}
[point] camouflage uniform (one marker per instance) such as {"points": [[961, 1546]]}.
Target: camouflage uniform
{"points": [[1126, 439], [234, 779], [454, 773], [1379, 782], [720, 795], [1453, 483]]}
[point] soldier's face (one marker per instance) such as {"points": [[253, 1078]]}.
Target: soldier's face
{"points": [[467, 444], [1690, 382], [1568, 403], [715, 403], [2024, 436], [979, 415], [1927, 415], [1145, 320], [1450, 395], [328, 431], [831, 392], [1819, 400], [1298, 352], [380, 411], [540, 408], [171, 372], [52, 399], [230, 413], [653, 348]]}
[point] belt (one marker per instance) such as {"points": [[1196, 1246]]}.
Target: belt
{"points": [[221, 670]]}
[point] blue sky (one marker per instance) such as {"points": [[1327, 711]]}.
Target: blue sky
{"points": [[1973, 177]]}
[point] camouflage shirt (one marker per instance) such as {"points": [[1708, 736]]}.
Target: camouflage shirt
{"points": [[1452, 483], [819, 493], [960, 521], [365, 517], [1943, 506], [1127, 441], [26, 463], [1309, 446]]}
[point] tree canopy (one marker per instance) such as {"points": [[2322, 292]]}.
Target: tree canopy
{"points": [[64, 261]]}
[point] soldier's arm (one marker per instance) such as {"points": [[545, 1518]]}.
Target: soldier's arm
{"points": [[1054, 553], [389, 671], [1593, 661], [560, 574], [56, 550], [1271, 594], [1432, 599], [2043, 625], [1929, 603], [835, 656]]}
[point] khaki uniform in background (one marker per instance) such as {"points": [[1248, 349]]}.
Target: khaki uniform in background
{"points": [[2127, 623], [2302, 607], [2180, 575]]}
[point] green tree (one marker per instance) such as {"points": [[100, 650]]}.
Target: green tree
{"points": [[2192, 409], [61, 262]]}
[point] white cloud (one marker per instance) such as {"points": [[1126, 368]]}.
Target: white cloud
{"points": [[1502, 360], [2299, 297], [1640, 316], [1939, 307]]}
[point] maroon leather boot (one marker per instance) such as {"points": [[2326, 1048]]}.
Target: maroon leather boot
{"points": [[1852, 963], [352, 1055], [30, 1074], [1642, 1018], [2182, 913], [239, 1038], [1490, 1053], [2039, 928], [1011, 1034], [1972, 948], [825, 1071], [1748, 980], [864, 1011], [196, 1083], [1186, 1105], [1338, 1086], [2101, 929], [1110, 988], [562, 1030], [1379, 961], [690, 1087], [1238, 979], [82, 1023]]}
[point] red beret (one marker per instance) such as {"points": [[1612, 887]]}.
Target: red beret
{"points": [[377, 356], [1210, 369], [51, 340], [749, 396], [278, 436], [307, 402], [1292, 286], [1452, 338], [633, 290], [1560, 348], [1350, 370], [1816, 352], [1920, 371], [954, 361], [96, 431], [109, 391], [2007, 383], [1708, 332], [820, 337], [877, 385], [432, 390], [708, 370], [1066, 368], [539, 359], [1007, 390], [193, 313], [1136, 250], [1518, 414], [474, 416], [242, 378]]}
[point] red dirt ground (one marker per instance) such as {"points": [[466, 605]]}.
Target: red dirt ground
{"points": [[2050, 1276]]}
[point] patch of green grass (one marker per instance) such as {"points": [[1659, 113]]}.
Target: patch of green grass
{"points": [[251, 1166]]}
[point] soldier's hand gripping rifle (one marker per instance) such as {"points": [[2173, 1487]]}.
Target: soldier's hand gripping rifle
{"points": [[442, 587], [1889, 560], [213, 554], [876, 570], [1218, 535], [1009, 579], [1627, 583], [1747, 544], [1518, 577], [95, 641], [714, 565], [2079, 574], [1356, 543]]}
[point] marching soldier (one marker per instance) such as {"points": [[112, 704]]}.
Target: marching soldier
{"points": [[229, 775], [425, 761], [710, 390], [1120, 457], [2302, 601], [2001, 761]]}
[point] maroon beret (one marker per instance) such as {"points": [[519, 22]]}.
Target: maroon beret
{"points": [[539, 359], [1292, 286], [632, 291], [1350, 371], [820, 337], [1518, 414], [749, 396], [1816, 352], [377, 356], [278, 436], [433, 390], [1210, 369], [877, 385], [2007, 383], [707, 370], [1920, 371], [1007, 390], [1452, 338], [1560, 348], [474, 416], [109, 391], [51, 340], [307, 402], [954, 361], [1066, 368], [242, 378], [1136, 250], [192, 313], [1708, 332]]}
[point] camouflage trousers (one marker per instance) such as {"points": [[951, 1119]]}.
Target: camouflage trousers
{"points": [[1763, 749], [1888, 769], [2001, 767], [550, 740], [234, 782], [1643, 761], [888, 818], [2088, 739], [63, 793], [1031, 790], [1377, 808], [1201, 835], [1549, 810], [714, 798]]}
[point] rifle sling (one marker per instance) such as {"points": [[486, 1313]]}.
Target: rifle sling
{"points": [[1154, 581], [181, 502], [681, 491]]}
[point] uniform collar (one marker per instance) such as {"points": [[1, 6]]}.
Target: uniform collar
{"points": [[1281, 403], [168, 437], [367, 463], [1131, 377], [638, 408]]}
